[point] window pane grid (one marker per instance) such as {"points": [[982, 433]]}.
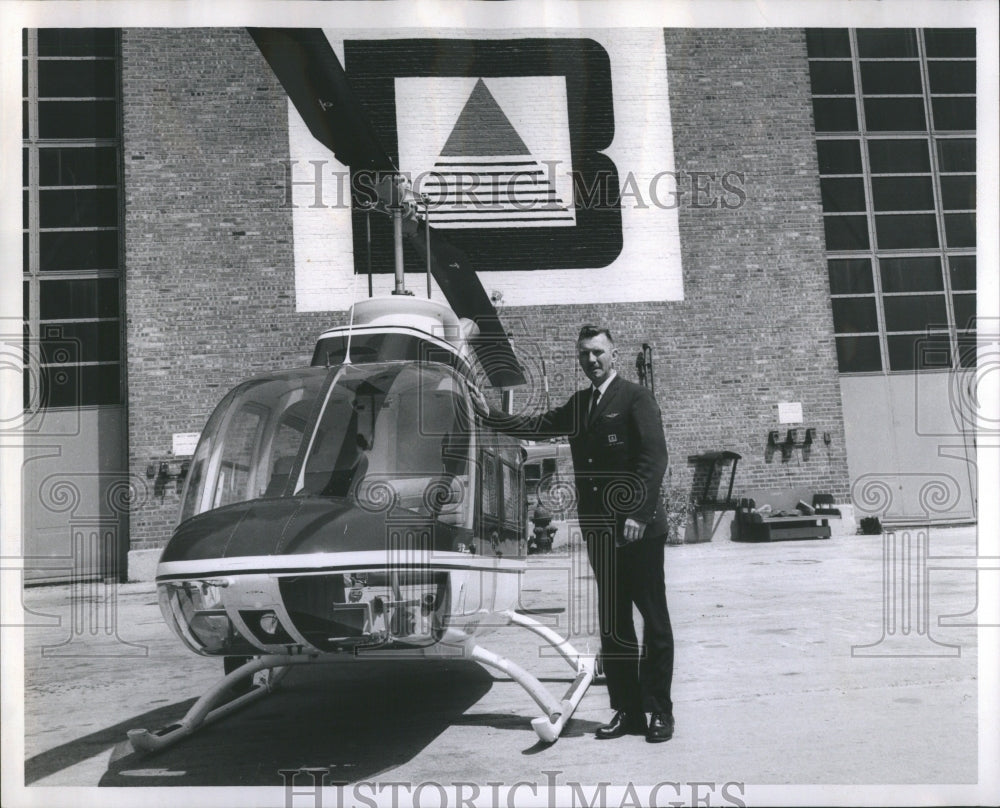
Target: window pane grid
{"points": [[911, 215], [73, 248]]}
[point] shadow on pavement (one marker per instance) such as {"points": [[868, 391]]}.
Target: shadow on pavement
{"points": [[354, 720], [69, 754]]}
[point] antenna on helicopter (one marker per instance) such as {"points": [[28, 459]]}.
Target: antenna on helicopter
{"points": [[427, 221], [350, 326], [368, 242]]}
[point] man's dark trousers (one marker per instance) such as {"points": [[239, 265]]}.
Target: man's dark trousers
{"points": [[633, 573]]}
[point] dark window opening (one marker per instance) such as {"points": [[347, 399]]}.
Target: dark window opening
{"points": [[850, 276], [899, 156], [831, 78], [919, 352], [900, 229], [958, 193], [960, 229], [957, 154], [843, 194], [71, 243], [846, 232], [858, 354], [886, 43], [921, 274], [853, 315], [839, 156], [902, 193], [963, 272], [891, 78], [906, 231], [952, 114], [835, 114], [828, 43], [895, 114], [950, 42], [915, 312]]}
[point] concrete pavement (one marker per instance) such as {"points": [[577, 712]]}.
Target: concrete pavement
{"points": [[792, 667]]}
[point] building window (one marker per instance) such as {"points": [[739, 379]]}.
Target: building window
{"points": [[72, 224], [895, 117]]}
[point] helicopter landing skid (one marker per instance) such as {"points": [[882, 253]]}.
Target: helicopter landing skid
{"points": [[213, 704], [557, 711], [217, 701]]}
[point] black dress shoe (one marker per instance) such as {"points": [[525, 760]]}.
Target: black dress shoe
{"points": [[661, 728], [622, 724]]}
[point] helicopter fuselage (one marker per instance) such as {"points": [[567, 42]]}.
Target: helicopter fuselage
{"points": [[357, 507]]}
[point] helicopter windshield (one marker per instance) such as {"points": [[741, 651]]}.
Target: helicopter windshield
{"points": [[249, 445], [387, 435], [392, 435]]}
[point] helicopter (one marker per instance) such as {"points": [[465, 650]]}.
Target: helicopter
{"points": [[359, 507]]}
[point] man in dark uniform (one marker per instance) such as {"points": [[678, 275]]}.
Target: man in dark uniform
{"points": [[619, 458]]}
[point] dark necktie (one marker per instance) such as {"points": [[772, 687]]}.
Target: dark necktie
{"points": [[595, 396]]}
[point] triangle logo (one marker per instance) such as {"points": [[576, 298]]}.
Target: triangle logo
{"points": [[482, 128], [486, 176]]}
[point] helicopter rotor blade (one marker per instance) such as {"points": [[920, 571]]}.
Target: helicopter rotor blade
{"points": [[315, 81], [465, 294]]}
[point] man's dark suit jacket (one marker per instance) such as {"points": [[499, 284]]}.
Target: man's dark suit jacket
{"points": [[619, 455]]}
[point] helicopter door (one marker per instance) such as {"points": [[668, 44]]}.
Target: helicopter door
{"points": [[512, 512], [488, 504], [501, 500]]}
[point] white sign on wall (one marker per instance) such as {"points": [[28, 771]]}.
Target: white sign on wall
{"points": [[184, 443], [789, 412], [547, 157]]}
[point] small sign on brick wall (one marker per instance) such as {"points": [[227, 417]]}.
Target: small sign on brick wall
{"points": [[185, 443], [789, 412]]}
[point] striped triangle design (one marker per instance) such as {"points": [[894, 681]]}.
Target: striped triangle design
{"points": [[485, 175]]}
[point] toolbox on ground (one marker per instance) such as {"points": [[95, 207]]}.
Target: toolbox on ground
{"points": [[776, 515]]}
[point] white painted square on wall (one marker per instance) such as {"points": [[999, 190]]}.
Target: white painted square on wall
{"points": [[649, 265]]}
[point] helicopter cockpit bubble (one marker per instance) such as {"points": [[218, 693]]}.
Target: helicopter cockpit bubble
{"points": [[251, 440], [392, 434]]}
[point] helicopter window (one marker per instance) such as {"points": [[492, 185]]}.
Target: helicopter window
{"points": [[511, 505], [195, 483], [532, 476], [279, 475], [285, 445], [236, 467], [490, 499], [380, 346], [250, 443], [404, 427]]}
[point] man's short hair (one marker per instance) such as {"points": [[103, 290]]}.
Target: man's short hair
{"points": [[591, 331]]}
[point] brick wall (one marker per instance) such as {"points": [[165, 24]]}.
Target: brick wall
{"points": [[755, 327], [209, 291], [209, 260]]}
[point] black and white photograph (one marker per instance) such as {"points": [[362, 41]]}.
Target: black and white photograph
{"points": [[468, 404]]}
